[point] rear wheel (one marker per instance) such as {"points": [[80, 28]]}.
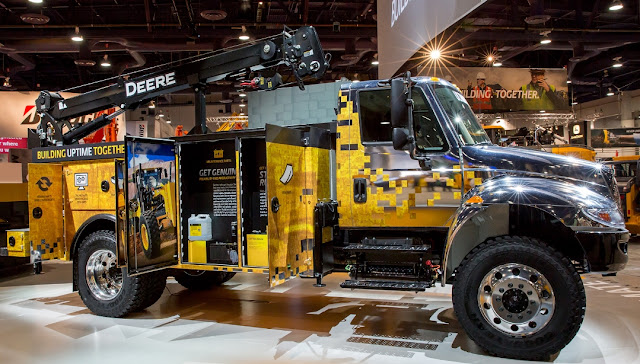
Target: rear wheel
{"points": [[517, 297], [200, 279], [105, 289]]}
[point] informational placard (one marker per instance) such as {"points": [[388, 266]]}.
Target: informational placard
{"points": [[208, 186], [405, 26]]}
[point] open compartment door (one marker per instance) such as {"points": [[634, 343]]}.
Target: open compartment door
{"points": [[45, 204], [121, 214], [150, 195], [287, 210]]}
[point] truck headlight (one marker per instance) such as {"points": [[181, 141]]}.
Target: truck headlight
{"points": [[607, 217]]}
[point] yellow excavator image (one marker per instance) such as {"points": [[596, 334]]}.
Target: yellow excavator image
{"points": [[153, 207]]}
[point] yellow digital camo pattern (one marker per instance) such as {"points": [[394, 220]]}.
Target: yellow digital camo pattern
{"points": [[291, 229], [288, 226], [430, 200]]}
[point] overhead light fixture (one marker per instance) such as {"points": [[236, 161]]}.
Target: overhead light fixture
{"points": [[36, 1], [168, 121], [161, 115], [574, 103], [435, 54], [610, 93], [77, 37], [497, 64], [616, 5], [617, 62], [105, 61], [152, 105], [242, 95], [241, 114], [7, 82], [242, 105], [244, 35], [375, 62], [545, 37], [542, 111], [568, 81], [490, 58]]}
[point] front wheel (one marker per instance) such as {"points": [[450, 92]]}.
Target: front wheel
{"points": [[517, 297]]}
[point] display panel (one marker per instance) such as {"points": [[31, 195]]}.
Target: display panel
{"points": [[209, 202], [151, 201]]}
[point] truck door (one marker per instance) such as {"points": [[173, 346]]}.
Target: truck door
{"points": [[150, 210], [378, 186], [288, 227]]}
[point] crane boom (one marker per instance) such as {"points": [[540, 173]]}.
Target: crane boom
{"points": [[300, 49]]}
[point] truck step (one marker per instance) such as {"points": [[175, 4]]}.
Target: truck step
{"points": [[393, 248], [387, 285]]}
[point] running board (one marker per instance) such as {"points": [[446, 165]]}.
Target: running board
{"points": [[387, 285], [393, 248]]}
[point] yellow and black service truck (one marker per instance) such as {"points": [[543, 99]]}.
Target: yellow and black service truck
{"points": [[403, 191]]}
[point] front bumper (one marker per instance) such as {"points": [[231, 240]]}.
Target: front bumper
{"points": [[606, 250]]}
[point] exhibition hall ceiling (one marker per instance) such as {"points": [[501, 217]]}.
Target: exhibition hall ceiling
{"points": [[586, 37]]}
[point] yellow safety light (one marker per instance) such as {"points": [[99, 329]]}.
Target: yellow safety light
{"points": [[475, 199]]}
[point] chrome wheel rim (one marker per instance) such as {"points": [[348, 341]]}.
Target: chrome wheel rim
{"points": [[103, 277], [516, 299]]}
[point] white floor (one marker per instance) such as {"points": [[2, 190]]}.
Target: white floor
{"points": [[245, 321]]}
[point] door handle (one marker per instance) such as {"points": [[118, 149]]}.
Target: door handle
{"points": [[360, 190]]}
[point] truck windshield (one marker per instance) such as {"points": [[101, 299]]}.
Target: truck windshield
{"points": [[461, 115]]}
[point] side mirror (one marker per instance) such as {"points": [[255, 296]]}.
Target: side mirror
{"points": [[399, 108], [400, 138]]}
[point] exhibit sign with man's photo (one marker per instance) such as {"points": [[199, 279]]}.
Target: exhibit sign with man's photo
{"points": [[491, 89]]}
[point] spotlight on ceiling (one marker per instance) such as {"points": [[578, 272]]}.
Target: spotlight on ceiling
{"points": [[610, 93], [242, 105], [435, 54], [152, 105], [244, 35], [7, 83], [490, 58], [77, 37], [574, 103], [375, 62], [616, 5], [105, 61], [497, 64], [242, 95], [568, 81], [36, 1], [545, 40], [617, 62]]}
